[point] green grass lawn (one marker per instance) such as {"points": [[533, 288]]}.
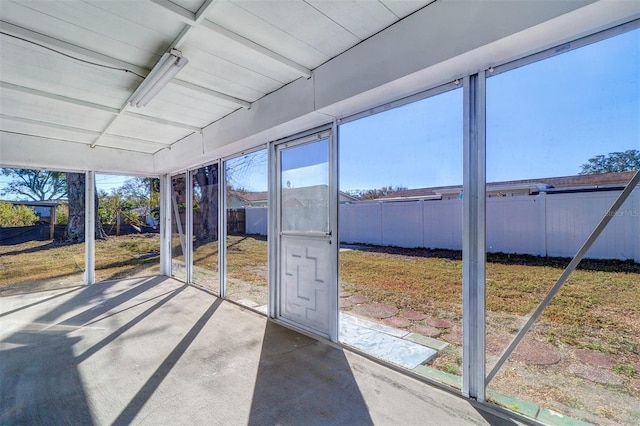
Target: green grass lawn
{"points": [[116, 257]]}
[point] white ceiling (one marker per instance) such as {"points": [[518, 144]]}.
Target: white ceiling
{"points": [[68, 67]]}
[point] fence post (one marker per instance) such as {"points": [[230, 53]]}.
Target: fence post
{"points": [[52, 221]]}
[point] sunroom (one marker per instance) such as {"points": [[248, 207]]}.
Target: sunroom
{"points": [[446, 188]]}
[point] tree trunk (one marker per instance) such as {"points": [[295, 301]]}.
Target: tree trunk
{"points": [[207, 181], [75, 225]]}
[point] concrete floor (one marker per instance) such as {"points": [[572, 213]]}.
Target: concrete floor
{"points": [[153, 351]]}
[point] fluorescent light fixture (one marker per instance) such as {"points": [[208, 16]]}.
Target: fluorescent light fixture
{"points": [[168, 66]]}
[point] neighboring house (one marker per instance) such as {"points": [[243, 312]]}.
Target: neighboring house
{"points": [[239, 199], [147, 218], [45, 210], [575, 183]]}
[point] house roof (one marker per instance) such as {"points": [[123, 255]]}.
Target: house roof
{"points": [[263, 196], [559, 182], [249, 196], [33, 203]]}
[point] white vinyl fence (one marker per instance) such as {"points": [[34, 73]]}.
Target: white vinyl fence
{"points": [[544, 224], [554, 224], [256, 220]]}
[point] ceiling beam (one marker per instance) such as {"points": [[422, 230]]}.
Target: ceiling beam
{"points": [[230, 99], [108, 126], [97, 107], [190, 19], [183, 14], [48, 124], [69, 48], [199, 21], [162, 121], [74, 101], [203, 10], [212, 26], [79, 130]]}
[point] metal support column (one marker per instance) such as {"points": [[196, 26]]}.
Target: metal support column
{"points": [[165, 225], [188, 231], [334, 205], [473, 234], [89, 228], [273, 229], [222, 229]]}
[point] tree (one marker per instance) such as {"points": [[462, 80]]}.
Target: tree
{"points": [[372, 194], [116, 208], [36, 185], [75, 225], [11, 215], [205, 203], [612, 162], [142, 192]]}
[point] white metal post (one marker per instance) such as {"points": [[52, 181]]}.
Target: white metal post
{"points": [[188, 228], [334, 205], [222, 230], [473, 238], [273, 228], [165, 225], [89, 228]]}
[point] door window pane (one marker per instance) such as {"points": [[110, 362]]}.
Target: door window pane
{"points": [[305, 187]]}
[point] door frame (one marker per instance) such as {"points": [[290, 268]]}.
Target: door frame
{"points": [[325, 132]]}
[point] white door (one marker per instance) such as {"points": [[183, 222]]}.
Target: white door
{"points": [[307, 254]]}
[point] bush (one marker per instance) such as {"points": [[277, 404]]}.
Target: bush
{"points": [[11, 215], [62, 214]]}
